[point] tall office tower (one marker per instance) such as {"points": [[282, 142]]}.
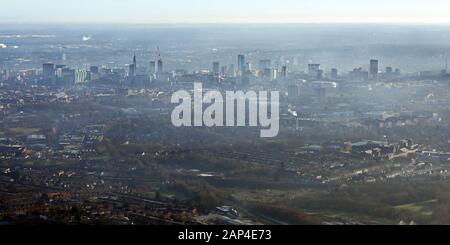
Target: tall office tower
{"points": [[159, 62], [5, 75], [67, 76], [374, 69], [131, 71], [159, 68], [313, 70], [80, 76], [334, 73], [224, 70], [58, 70], [273, 74], [241, 65], [48, 71], [216, 68], [264, 64], [93, 73], [270, 74], [231, 71], [248, 67], [283, 72], [320, 74], [152, 68], [93, 69]]}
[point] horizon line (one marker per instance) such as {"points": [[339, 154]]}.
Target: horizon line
{"points": [[3, 23]]}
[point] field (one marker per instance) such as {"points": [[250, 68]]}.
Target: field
{"points": [[422, 208]]}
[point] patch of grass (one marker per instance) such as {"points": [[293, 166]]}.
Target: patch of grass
{"points": [[423, 208], [98, 158], [332, 215], [267, 196], [169, 195]]}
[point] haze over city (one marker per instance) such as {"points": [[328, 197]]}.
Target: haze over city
{"points": [[231, 11]]}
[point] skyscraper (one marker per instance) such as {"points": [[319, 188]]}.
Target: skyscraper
{"points": [[159, 68], [334, 73], [231, 71], [152, 68], [48, 71], [132, 69], [80, 76], [263, 64], [94, 69], [67, 77], [283, 72], [248, 67], [159, 62], [313, 70], [241, 65], [374, 69], [216, 68]]}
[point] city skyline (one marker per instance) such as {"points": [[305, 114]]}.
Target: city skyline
{"points": [[202, 11]]}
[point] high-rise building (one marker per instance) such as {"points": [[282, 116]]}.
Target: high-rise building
{"points": [[248, 67], [224, 70], [389, 70], [5, 75], [58, 70], [131, 71], [159, 61], [94, 69], [231, 71], [319, 74], [283, 72], [270, 74], [67, 76], [373, 69], [334, 73], [216, 68], [241, 65], [159, 67], [80, 76], [152, 68], [264, 64], [93, 73], [313, 70], [48, 71]]}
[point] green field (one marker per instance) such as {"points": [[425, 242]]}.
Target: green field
{"points": [[98, 158], [422, 208]]}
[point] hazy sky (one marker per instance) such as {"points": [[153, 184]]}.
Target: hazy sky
{"points": [[228, 11]]}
